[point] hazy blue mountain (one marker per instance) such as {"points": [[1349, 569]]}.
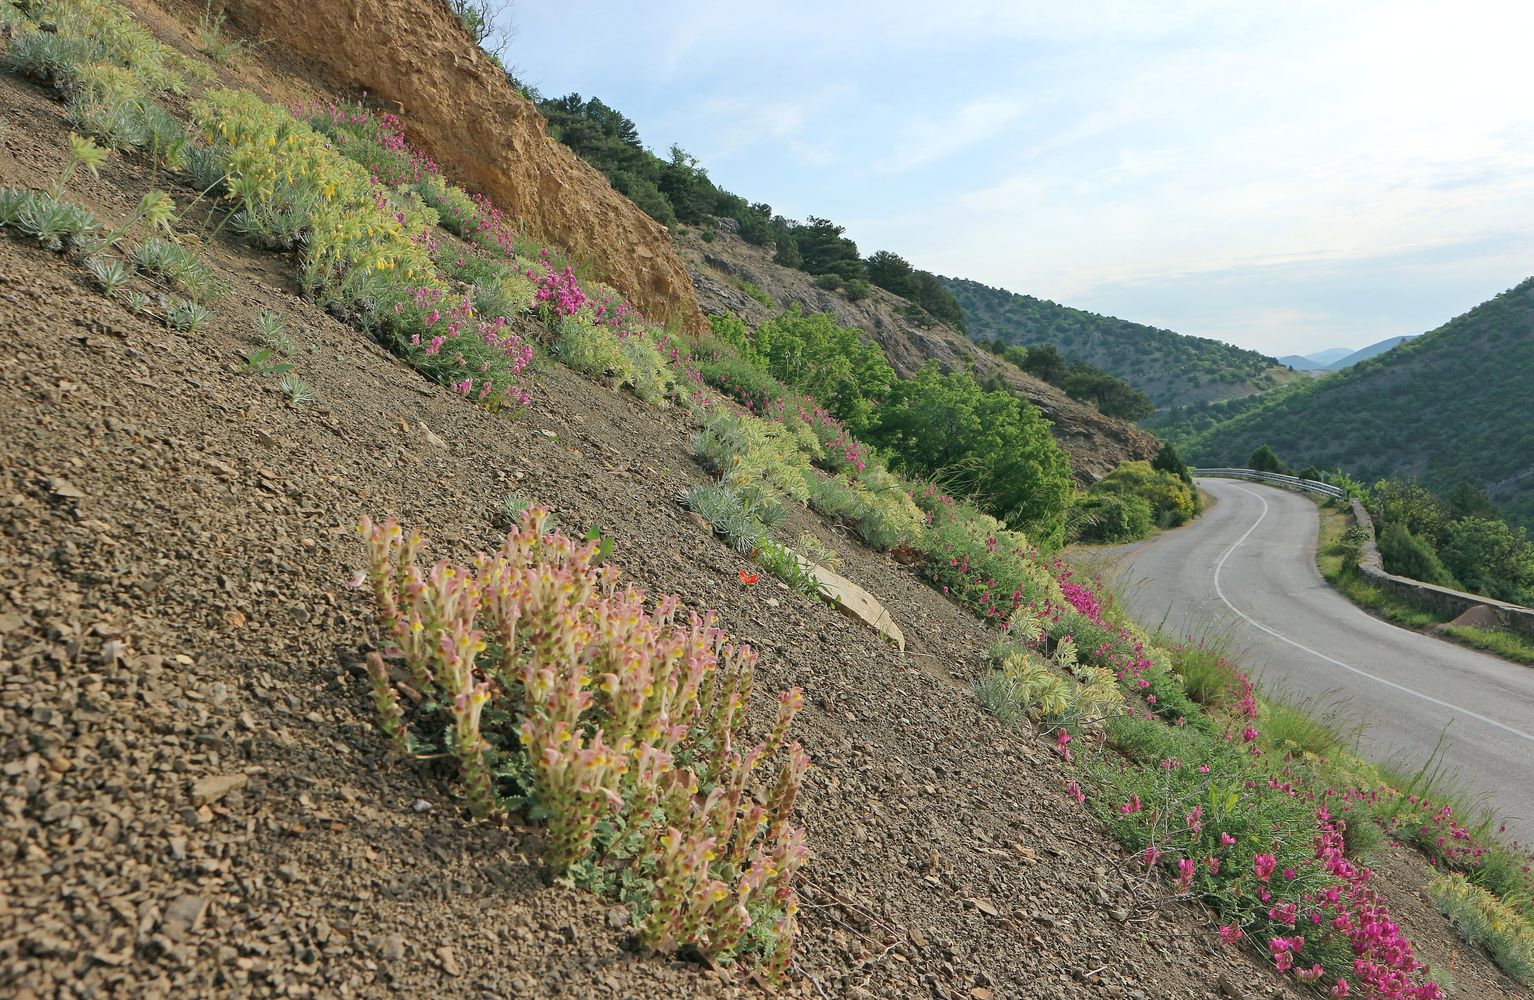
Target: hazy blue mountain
{"points": [[1329, 355], [1364, 354]]}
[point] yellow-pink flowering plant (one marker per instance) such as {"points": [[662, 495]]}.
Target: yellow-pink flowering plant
{"points": [[618, 721]]}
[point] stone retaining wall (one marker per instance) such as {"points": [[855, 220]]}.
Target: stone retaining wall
{"points": [[1439, 600]]}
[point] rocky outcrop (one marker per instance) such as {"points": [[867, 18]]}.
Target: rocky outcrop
{"points": [[724, 264], [461, 109]]}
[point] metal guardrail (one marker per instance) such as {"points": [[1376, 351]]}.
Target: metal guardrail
{"points": [[1325, 489]]}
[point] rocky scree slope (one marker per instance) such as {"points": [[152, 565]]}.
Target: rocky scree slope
{"points": [[1096, 444], [461, 109]]}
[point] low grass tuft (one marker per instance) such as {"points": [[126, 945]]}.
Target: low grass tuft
{"points": [[1487, 921]]}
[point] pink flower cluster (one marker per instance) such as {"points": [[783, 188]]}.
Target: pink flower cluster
{"points": [[443, 328], [1082, 599], [489, 226], [558, 293], [1383, 963], [1124, 653], [406, 165], [833, 437]]}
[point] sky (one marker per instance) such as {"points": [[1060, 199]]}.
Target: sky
{"points": [[1288, 176]]}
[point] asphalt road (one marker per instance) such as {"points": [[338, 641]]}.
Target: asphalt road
{"points": [[1246, 570]]}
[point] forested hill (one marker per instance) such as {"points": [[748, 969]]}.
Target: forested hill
{"points": [[1454, 404], [1171, 368]]}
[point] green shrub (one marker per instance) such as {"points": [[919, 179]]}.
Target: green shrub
{"points": [[730, 329], [832, 364], [756, 293], [754, 456], [1207, 675], [1171, 701], [890, 520], [1168, 460], [1302, 727], [736, 517], [51, 221], [743, 381], [835, 497], [1407, 555], [178, 267], [1491, 558], [1265, 460], [1111, 518], [649, 375], [785, 564], [1172, 500], [1409, 504], [991, 446], [979, 563], [591, 349]]}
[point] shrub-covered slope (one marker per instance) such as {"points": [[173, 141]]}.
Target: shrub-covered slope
{"points": [[1451, 405], [1171, 368], [198, 802], [734, 276]]}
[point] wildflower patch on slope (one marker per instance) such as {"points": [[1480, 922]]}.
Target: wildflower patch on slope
{"points": [[618, 721]]}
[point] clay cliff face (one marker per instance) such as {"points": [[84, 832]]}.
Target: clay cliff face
{"points": [[1096, 444], [461, 110]]}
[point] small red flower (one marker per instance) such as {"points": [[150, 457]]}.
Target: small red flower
{"points": [[749, 579]]}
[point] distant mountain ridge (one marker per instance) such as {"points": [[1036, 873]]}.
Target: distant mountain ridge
{"points": [[1452, 404], [1365, 353], [1335, 359], [1169, 367], [1330, 355]]}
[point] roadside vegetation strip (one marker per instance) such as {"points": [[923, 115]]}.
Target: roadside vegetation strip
{"points": [[1337, 555], [1222, 751]]}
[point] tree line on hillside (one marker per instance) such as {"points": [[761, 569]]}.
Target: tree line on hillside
{"points": [[1086, 383], [1183, 423], [1166, 363], [676, 188]]}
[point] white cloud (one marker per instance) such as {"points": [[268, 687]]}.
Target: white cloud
{"points": [[1068, 149], [930, 138]]}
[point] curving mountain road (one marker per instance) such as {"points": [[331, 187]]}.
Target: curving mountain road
{"points": [[1247, 570]]}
